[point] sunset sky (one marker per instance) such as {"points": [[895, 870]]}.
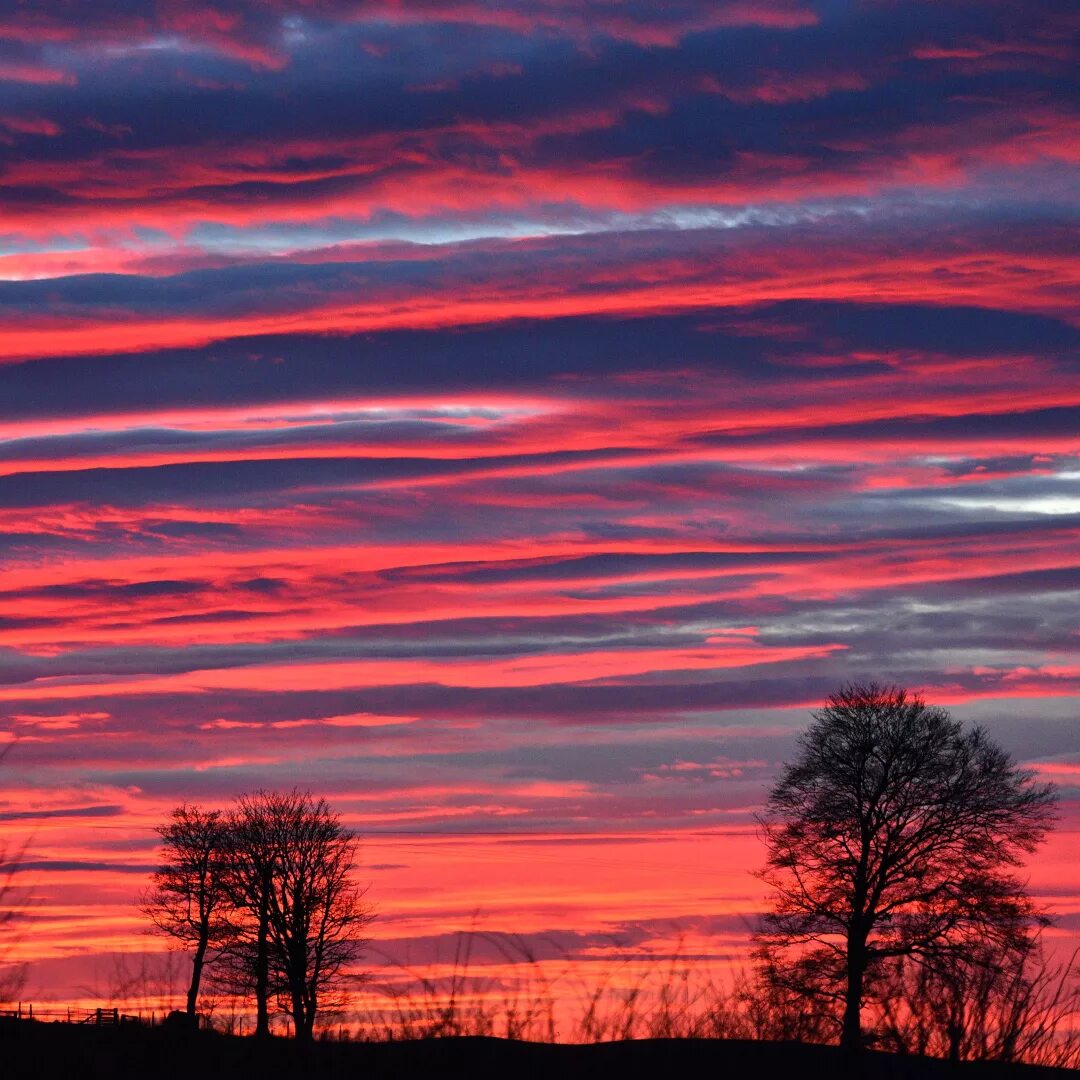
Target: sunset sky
{"points": [[509, 419]]}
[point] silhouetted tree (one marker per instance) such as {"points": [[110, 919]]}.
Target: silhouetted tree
{"points": [[317, 915], [290, 872], [187, 900], [894, 834], [252, 860]]}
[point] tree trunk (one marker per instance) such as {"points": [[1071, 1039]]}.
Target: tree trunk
{"points": [[196, 976], [955, 1035], [297, 973], [300, 1019], [262, 969], [851, 1034]]}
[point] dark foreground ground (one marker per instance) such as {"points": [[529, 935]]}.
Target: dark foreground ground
{"points": [[67, 1052]]}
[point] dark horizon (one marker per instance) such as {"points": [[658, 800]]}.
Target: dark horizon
{"points": [[509, 420]]}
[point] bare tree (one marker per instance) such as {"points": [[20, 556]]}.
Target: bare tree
{"points": [[187, 899], [290, 872], [253, 857], [317, 915], [895, 833]]}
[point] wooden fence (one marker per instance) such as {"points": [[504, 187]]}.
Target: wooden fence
{"points": [[92, 1017]]}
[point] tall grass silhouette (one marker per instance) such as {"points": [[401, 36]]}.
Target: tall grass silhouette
{"points": [[1030, 1015]]}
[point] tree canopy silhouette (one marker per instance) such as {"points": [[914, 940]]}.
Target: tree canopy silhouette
{"points": [[187, 898], [267, 888], [894, 833], [292, 861], [250, 866]]}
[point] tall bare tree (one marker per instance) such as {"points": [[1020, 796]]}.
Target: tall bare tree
{"points": [[291, 871], [253, 859], [895, 833], [187, 900], [317, 914]]}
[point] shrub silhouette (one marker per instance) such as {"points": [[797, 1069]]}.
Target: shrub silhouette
{"points": [[12, 975], [1019, 1005]]}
